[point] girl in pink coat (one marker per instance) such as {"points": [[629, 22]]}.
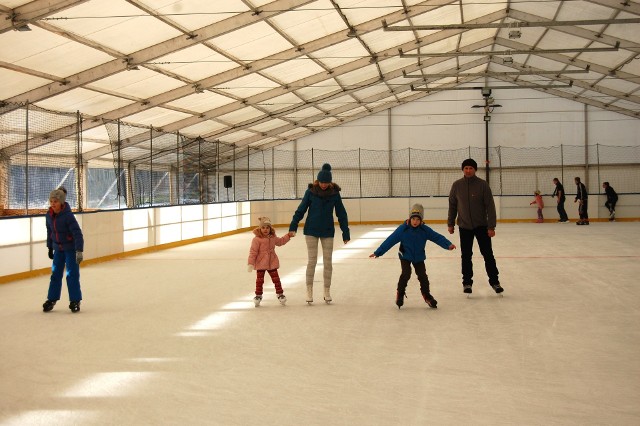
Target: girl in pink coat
{"points": [[262, 257], [540, 204]]}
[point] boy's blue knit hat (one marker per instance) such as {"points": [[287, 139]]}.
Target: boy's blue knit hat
{"points": [[324, 175]]}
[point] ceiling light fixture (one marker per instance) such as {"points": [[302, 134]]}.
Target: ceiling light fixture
{"points": [[515, 34]]}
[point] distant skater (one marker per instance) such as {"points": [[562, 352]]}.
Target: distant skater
{"points": [[582, 198], [540, 204], [559, 195], [612, 199], [413, 235]]}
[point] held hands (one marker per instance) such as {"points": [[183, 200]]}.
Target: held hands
{"points": [[50, 253], [79, 257], [249, 268], [292, 234]]}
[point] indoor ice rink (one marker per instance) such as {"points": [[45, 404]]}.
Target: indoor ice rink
{"points": [[173, 337], [174, 125]]}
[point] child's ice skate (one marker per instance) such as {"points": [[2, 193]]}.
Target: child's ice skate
{"points": [[257, 300], [327, 295], [433, 303], [282, 299], [400, 295], [48, 305], [74, 306]]}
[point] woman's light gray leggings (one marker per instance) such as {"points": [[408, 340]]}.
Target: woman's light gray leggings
{"points": [[327, 254]]}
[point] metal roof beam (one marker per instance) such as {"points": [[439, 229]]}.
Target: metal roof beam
{"points": [[528, 71], [164, 48], [620, 5], [578, 98], [631, 78], [508, 52], [511, 25], [32, 11]]}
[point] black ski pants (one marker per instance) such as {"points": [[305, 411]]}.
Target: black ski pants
{"points": [[421, 272]]}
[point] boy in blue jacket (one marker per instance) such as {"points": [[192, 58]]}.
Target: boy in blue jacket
{"points": [[413, 236], [65, 243]]}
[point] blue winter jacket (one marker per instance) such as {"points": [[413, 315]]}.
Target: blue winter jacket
{"points": [[412, 242], [320, 205], [63, 231]]}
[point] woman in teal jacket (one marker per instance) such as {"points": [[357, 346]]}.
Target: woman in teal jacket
{"points": [[320, 200]]}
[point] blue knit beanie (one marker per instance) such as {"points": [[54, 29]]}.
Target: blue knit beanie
{"points": [[324, 175]]}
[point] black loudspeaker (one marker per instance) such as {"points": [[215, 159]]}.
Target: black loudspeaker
{"points": [[227, 181]]}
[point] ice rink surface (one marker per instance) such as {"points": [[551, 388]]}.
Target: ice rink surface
{"points": [[172, 337]]}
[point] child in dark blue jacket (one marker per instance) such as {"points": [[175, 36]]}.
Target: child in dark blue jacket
{"points": [[65, 243], [413, 236]]}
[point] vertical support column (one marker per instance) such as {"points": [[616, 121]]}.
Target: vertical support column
{"points": [[177, 172], [80, 174], [151, 186], [360, 171], [130, 178], [586, 147], [26, 161], [390, 154]]}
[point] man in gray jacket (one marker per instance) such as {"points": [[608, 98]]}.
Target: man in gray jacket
{"points": [[471, 201]]}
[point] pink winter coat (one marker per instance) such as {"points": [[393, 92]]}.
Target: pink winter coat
{"points": [[262, 254]]}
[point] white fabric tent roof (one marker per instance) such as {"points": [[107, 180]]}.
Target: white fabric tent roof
{"points": [[261, 73]]}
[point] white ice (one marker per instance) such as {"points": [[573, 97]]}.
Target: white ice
{"points": [[172, 338]]}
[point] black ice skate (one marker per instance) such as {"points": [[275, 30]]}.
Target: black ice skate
{"points": [[433, 303], [497, 288], [74, 306], [48, 305], [400, 298]]}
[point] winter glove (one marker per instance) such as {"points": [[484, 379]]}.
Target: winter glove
{"points": [[249, 268], [79, 257], [50, 253]]}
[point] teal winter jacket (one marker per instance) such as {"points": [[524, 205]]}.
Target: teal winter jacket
{"points": [[319, 206]]}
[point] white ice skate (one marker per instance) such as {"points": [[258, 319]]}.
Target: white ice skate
{"points": [[282, 299], [327, 295], [257, 300]]}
